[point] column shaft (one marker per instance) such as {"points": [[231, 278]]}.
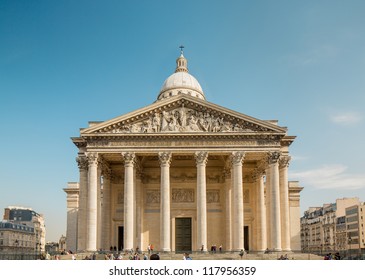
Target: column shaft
{"points": [[228, 187], [165, 223], [284, 203], [238, 207], [261, 214], [99, 208], [201, 161], [106, 237], [139, 211], [275, 202], [82, 216], [91, 241], [128, 200], [268, 207]]}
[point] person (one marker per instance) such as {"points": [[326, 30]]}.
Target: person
{"points": [[154, 257], [202, 248], [187, 257], [220, 248], [241, 253], [145, 256], [149, 248]]}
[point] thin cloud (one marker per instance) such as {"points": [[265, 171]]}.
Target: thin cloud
{"points": [[330, 177], [313, 56], [348, 118]]}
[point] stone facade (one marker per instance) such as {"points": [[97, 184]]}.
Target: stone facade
{"points": [[182, 173]]}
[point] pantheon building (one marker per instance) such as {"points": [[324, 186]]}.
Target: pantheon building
{"points": [[183, 174]]}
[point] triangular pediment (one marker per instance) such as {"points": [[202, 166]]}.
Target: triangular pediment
{"points": [[182, 114]]}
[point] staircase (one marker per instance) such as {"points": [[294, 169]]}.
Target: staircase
{"points": [[209, 256]]}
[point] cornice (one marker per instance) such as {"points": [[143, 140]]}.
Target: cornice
{"points": [[253, 136]]}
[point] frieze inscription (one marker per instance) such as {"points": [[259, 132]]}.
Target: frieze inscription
{"points": [[206, 143]]}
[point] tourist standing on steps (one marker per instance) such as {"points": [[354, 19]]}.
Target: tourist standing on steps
{"points": [[241, 253]]}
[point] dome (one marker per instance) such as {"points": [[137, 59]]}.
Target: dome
{"points": [[181, 82]]}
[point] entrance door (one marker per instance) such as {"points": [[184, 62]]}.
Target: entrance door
{"points": [[246, 239], [183, 234], [120, 238]]}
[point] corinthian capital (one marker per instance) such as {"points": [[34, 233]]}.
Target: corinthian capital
{"points": [[82, 162], [201, 157], [129, 158], [92, 158], [164, 158], [273, 157], [257, 173], [284, 161], [237, 157]]}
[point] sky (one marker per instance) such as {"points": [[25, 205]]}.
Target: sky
{"points": [[65, 63]]}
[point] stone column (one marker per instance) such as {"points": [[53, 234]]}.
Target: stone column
{"points": [[92, 203], [228, 197], [82, 216], [99, 205], [129, 159], [261, 212], [106, 209], [275, 201], [238, 208], [201, 162], [139, 207], [165, 223], [268, 205], [284, 203]]}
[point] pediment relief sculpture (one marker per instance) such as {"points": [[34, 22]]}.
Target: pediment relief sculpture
{"points": [[184, 119]]}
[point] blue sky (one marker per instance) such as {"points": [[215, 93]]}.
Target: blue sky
{"points": [[64, 63]]}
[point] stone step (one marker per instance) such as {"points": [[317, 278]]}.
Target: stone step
{"points": [[207, 256]]}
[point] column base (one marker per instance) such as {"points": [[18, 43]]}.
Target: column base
{"points": [[165, 250], [287, 250]]}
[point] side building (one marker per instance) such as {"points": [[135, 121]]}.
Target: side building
{"points": [[28, 217], [16, 238], [326, 229], [355, 230]]}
